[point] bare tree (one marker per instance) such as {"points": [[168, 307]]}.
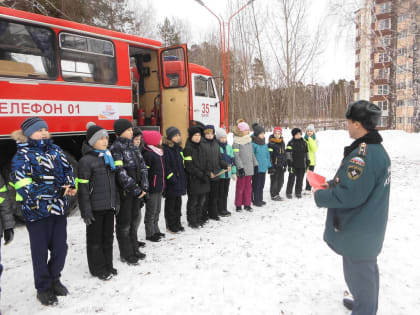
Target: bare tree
{"points": [[293, 46]]}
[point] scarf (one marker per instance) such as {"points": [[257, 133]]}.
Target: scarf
{"points": [[107, 158], [258, 140], [242, 140], [228, 159], [372, 137], [275, 140], [313, 136], [156, 150]]}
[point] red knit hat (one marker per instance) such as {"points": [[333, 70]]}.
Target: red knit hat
{"points": [[276, 129], [151, 137]]}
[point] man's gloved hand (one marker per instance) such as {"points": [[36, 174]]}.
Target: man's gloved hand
{"points": [[8, 236], [290, 169], [241, 172], [271, 171], [89, 220]]}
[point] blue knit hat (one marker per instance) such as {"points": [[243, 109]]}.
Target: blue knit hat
{"points": [[32, 124]]}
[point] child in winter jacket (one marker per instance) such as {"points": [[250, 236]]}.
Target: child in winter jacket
{"points": [[176, 182], [7, 222], [98, 201], [215, 165], [133, 185], [263, 158], [245, 162], [153, 157], [278, 158], [139, 143], [229, 158], [43, 178], [312, 143], [297, 161], [198, 180]]}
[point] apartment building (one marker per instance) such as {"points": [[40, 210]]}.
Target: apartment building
{"points": [[384, 66]]}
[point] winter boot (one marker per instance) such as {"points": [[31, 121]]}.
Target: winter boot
{"points": [[132, 260], [139, 254], [298, 196], [59, 289], [348, 300], [153, 238], [141, 244], [239, 208], [224, 213], [276, 198], [263, 203], [113, 271], [161, 235], [47, 297], [248, 208], [105, 276], [289, 196]]}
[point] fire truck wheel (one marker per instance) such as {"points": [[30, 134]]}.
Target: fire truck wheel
{"points": [[73, 205]]}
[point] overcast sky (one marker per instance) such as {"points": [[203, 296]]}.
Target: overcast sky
{"points": [[337, 61]]}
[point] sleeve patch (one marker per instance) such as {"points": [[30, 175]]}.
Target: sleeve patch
{"points": [[354, 172], [362, 149], [358, 161]]}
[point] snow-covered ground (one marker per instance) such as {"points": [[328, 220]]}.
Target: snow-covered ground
{"points": [[270, 261]]}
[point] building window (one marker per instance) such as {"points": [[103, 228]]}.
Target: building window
{"points": [[385, 24], [402, 17], [402, 51], [385, 7], [401, 85], [383, 73], [403, 33], [400, 120], [400, 103], [383, 105], [383, 57], [385, 41], [383, 89]]}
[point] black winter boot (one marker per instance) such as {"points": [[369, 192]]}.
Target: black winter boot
{"points": [[59, 289], [132, 260], [239, 208], [47, 297], [248, 208]]}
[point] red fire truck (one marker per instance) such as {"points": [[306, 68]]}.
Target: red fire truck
{"points": [[70, 74]]}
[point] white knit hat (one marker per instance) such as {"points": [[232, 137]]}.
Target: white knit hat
{"points": [[220, 133], [311, 127]]}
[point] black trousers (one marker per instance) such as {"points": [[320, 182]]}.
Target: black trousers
{"points": [[195, 207], [298, 174], [213, 199], [128, 220], [258, 183], [48, 234], [308, 186], [223, 194], [277, 181], [362, 278], [99, 241], [173, 206]]}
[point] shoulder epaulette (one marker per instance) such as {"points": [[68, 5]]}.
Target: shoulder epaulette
{"points": [[362, 149]]}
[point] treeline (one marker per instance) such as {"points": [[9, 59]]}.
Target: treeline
{"points": [[311, 103]]}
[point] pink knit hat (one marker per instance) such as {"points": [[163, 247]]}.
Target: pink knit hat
{"points": [[243, 126], [151, 137]]}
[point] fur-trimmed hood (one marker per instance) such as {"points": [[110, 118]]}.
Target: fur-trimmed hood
{"points": [[167, 142], [18, 136]]}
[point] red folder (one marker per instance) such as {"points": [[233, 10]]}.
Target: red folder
{"points": [[315, 180]]}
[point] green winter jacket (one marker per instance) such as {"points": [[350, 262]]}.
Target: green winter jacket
{"points": [[312, 148], [358, 202], [229, 152]]}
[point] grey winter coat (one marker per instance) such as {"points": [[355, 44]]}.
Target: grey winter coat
{"points": [[6, 212], [244, 154]]}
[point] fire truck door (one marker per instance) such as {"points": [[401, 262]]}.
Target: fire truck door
{"points": [[175, 103]]}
